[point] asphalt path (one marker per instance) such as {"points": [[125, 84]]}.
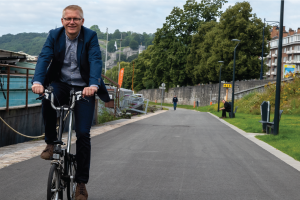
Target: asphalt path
{"points": [[178, 154]]}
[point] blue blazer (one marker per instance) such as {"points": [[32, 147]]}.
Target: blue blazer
{"points": [[50, 61]]}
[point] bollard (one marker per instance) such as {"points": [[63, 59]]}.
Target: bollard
{"points": [[210, 103], [155, 101], [197, 103], [194, 104]]}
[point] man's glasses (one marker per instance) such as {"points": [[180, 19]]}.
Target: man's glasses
{"points": [[74, 19]]}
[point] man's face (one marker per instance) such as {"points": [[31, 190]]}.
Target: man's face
{"points": [[72, 27], [223, 101]]}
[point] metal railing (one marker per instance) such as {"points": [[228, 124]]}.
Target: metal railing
{"points": [[8, 79]]}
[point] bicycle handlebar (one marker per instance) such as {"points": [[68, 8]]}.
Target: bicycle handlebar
{"points": [[76, 96]]}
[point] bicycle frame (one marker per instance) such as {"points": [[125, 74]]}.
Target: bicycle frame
{"points": [[63, 158]]}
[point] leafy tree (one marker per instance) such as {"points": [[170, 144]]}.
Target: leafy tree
{"points": [[131, 58], [123, 57], [111, 46], [134, 45], [172, 42], [213, 43], [97, 30], [117, 34]]}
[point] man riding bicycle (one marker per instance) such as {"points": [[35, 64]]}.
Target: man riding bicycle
{"points": [[71, 59]]}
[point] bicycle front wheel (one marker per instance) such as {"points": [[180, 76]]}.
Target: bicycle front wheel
{"points": [[53, 190], [71, 186]]}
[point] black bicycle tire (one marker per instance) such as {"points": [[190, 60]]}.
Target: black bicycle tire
{"points": [[72, 163], [53, 170]]}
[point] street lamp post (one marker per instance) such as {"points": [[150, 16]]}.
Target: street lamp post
{"points": [[233, 77], [262, 52], [278, 78], [220, 85]]}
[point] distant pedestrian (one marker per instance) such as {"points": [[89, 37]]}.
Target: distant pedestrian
{"points": [[226, 108], [175, 100]]}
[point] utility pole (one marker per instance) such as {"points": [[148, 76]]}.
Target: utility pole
{"points": [[132, 74], [106, 49], [120, 55]]}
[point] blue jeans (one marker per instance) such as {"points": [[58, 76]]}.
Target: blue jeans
{"points": [[83, 112], [175, 105]]}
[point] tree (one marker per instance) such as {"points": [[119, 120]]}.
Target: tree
{"points": [[131, 58], [213, 43], [123, 57], [134, 45], [111, 46], [97, 30], [116, 34], [172, 42]]}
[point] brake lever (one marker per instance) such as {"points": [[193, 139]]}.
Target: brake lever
{"points": [[82, 98], [40, 97]]}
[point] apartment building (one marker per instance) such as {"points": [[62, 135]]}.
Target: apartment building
{"points": [[290, 53]]}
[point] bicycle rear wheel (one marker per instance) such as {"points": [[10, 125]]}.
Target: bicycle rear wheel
{"points": [[53, 187], [71, 185]]}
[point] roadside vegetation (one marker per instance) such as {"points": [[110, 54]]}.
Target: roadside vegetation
{"points": [[248, 116]]}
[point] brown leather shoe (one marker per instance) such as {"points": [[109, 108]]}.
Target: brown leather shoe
{"points": [[81, 192], [48, 152]]}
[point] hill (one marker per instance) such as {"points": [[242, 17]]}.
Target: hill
{"points": [[30, 43]]}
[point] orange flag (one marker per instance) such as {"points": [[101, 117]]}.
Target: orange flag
{"points": [[121, 74]]}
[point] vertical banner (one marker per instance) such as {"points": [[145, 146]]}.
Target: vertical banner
{"points": [[289, 71], [121, 74]]}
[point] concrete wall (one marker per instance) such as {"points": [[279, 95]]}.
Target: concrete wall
{"points": [[203, 93], [28, 122]]}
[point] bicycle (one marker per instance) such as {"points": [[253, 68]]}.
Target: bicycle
{"points": [[63, 164]]}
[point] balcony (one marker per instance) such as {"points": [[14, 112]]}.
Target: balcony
{"points": [[268, 73], [274, 64], [296, 51], [290, 52], [289, 61], [268, 56], [273, 73], [274, 55], [268, 64]]}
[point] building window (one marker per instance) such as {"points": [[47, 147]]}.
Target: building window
{"points": [[292, 39], [284, 50], [284, 59], [290, 58], [284, 41]]}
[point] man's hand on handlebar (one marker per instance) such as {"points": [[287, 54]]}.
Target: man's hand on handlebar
{"points": [[37, 88], [89, 91]]}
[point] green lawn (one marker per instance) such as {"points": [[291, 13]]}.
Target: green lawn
{"points": [[287, 141]]}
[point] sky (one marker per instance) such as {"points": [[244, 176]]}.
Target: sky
{"points": [[18, 16]]}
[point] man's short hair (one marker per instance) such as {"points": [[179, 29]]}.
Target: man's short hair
{"points": [[73, 7]]}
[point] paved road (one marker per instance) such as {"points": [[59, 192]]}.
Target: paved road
{"points": [[175, 155]]}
